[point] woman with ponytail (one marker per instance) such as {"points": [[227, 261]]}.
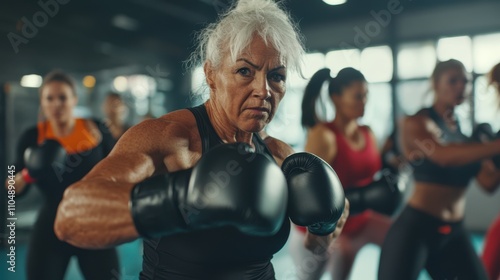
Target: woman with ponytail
{"points": [[350, 148]]}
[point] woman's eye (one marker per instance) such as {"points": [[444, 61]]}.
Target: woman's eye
{"points": [[277, 77], [244, 71]]}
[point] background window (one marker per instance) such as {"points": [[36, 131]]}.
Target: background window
{"points": [[376, 64], [413, 96], [486, 52], [416, 60], [311, 63], [457, 48], [486, 103], [198, 86], [336, 60], [378, 111]]}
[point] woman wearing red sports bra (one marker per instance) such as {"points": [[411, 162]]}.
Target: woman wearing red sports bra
{"points": [[352, 152]]}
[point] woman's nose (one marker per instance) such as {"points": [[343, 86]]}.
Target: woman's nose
{"points": [[261, 87]]}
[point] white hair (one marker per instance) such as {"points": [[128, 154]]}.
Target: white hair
{"points": [[234, 31]]}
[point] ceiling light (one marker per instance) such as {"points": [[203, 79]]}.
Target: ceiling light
{"points": [[334, 2], [89, 81], [31, 81], [120, 83]]}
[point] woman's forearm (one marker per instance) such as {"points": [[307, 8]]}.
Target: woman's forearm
{"points": [[95, 214], [456, 155]]}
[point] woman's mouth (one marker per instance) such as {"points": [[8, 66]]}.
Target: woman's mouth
{"points": [[258, 110]]}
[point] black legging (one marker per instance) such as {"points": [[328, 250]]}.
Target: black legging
{"points": [[48, 257], [417, 240]]}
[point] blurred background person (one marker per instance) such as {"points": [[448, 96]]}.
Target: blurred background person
{"points": [[115, 112], [429, 232], [59, 151], [351, 149]]}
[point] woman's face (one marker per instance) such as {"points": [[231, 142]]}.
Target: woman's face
{"points": [[450, 87], [58, 100], [249, 90], [114, 108], [351, 102]]}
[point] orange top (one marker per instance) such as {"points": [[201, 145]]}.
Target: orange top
{"points": [[79, 140]]}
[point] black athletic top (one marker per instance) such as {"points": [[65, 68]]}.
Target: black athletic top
{"points": [[219, 253], [77, 165], [425, 170]]}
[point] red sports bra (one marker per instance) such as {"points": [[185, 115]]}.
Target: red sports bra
{"points": [[355, 168]]}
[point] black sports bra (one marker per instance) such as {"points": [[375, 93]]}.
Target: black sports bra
{"points": [[425, 170], [219, 253]]}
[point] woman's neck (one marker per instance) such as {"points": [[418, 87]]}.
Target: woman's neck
{"points": [[227, 132], [446, 112], [64, 128], [347, 126]]}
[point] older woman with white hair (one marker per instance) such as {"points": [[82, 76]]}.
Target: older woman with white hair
{"points": [[201, 185]]}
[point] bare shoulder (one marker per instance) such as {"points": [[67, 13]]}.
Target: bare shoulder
{"points": [[414, 122], [323, 131], [321, 136], [172, 139], [278, 148], [175, 126]]}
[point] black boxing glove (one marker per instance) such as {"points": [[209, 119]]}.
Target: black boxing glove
{"points": [[39, 160], [382, 196], [230, 185], [482, 133], [316, 197]]}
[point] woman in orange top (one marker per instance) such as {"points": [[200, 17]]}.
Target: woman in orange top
{"points": [[55, 154]]}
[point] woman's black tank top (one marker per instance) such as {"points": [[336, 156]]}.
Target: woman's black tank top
{"points": [[219, 253]]}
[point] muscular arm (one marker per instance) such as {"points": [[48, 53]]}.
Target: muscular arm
{"points": [[419, 142], [94, 212]]}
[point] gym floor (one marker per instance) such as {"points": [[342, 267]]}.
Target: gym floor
{"points": [[365, 266]]}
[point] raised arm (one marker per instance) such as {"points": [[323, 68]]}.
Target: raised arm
{"points": [[419, 142], [94, 212]]}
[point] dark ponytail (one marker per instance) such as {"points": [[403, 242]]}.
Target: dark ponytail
{"points": [[344, 78], [313, 89]]}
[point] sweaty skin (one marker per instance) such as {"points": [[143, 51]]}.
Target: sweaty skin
{"points": [[245, 94]]}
